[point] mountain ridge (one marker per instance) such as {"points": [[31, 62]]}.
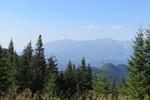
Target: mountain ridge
{"points": [[113, 51]]}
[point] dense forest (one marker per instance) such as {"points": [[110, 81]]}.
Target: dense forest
{"points": [[31, 76]]}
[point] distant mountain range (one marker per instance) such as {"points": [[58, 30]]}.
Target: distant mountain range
{"points": [[112, 71], [108, 50]]}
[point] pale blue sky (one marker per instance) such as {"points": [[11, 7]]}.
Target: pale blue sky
{"points": [[24, 20]]}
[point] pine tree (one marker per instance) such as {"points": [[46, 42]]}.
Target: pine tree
{"points": [[38, 65], [3, 73], [137, 68], [24, 64]]}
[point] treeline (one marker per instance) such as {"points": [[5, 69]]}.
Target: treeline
{"points": [[34, 77]]}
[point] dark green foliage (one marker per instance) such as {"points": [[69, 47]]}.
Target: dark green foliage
{"points": [[100, 84], [50, 86], [12, 61], [147, 63], [61, 84], [25, 68], [52, 66], [3, 73], [70, 83], [114, 89], [89, 77], [122, 86], [138, 67], [39, 54], [38, 65], [50, 80], [83, 77]]}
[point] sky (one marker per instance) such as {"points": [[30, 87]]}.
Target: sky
{"points": [[25, 20]]}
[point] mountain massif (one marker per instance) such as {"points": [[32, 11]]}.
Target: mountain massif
{"points": [[95, 51]]}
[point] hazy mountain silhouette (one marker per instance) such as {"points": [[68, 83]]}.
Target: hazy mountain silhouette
{"points": [[94, 51]]}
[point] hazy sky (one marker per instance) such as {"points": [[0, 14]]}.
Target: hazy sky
{"points": [[24, 20]]}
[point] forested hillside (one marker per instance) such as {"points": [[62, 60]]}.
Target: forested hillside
{"points": [[31, 76]]}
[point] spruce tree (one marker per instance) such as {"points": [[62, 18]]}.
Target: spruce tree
{"points": [[69, 71], [74, 69], [51, 80], [24, 64], [61, 84], [81, 77], [79, 80], [113, 89], [100, 84], [50, 86], [122, 86], [138, 64], [38, 65], [12, 61], [147, 64], [70, 83], [83, 65], [3, 73], [89, 77], [52, 65]]}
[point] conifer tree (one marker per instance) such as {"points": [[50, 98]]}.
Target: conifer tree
{"points": [[3, 73], [52, 66], [12, 61], [24, 64], [50, 80], [147, 64], [74, 69], [70, 82], [69, 71], [38, 65], [79, 80], [100, 84], [137, 68], [113, 89], [50, 87], [61, 84], [89, 77], [122, 86], [83, 65], [81, 77]]}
